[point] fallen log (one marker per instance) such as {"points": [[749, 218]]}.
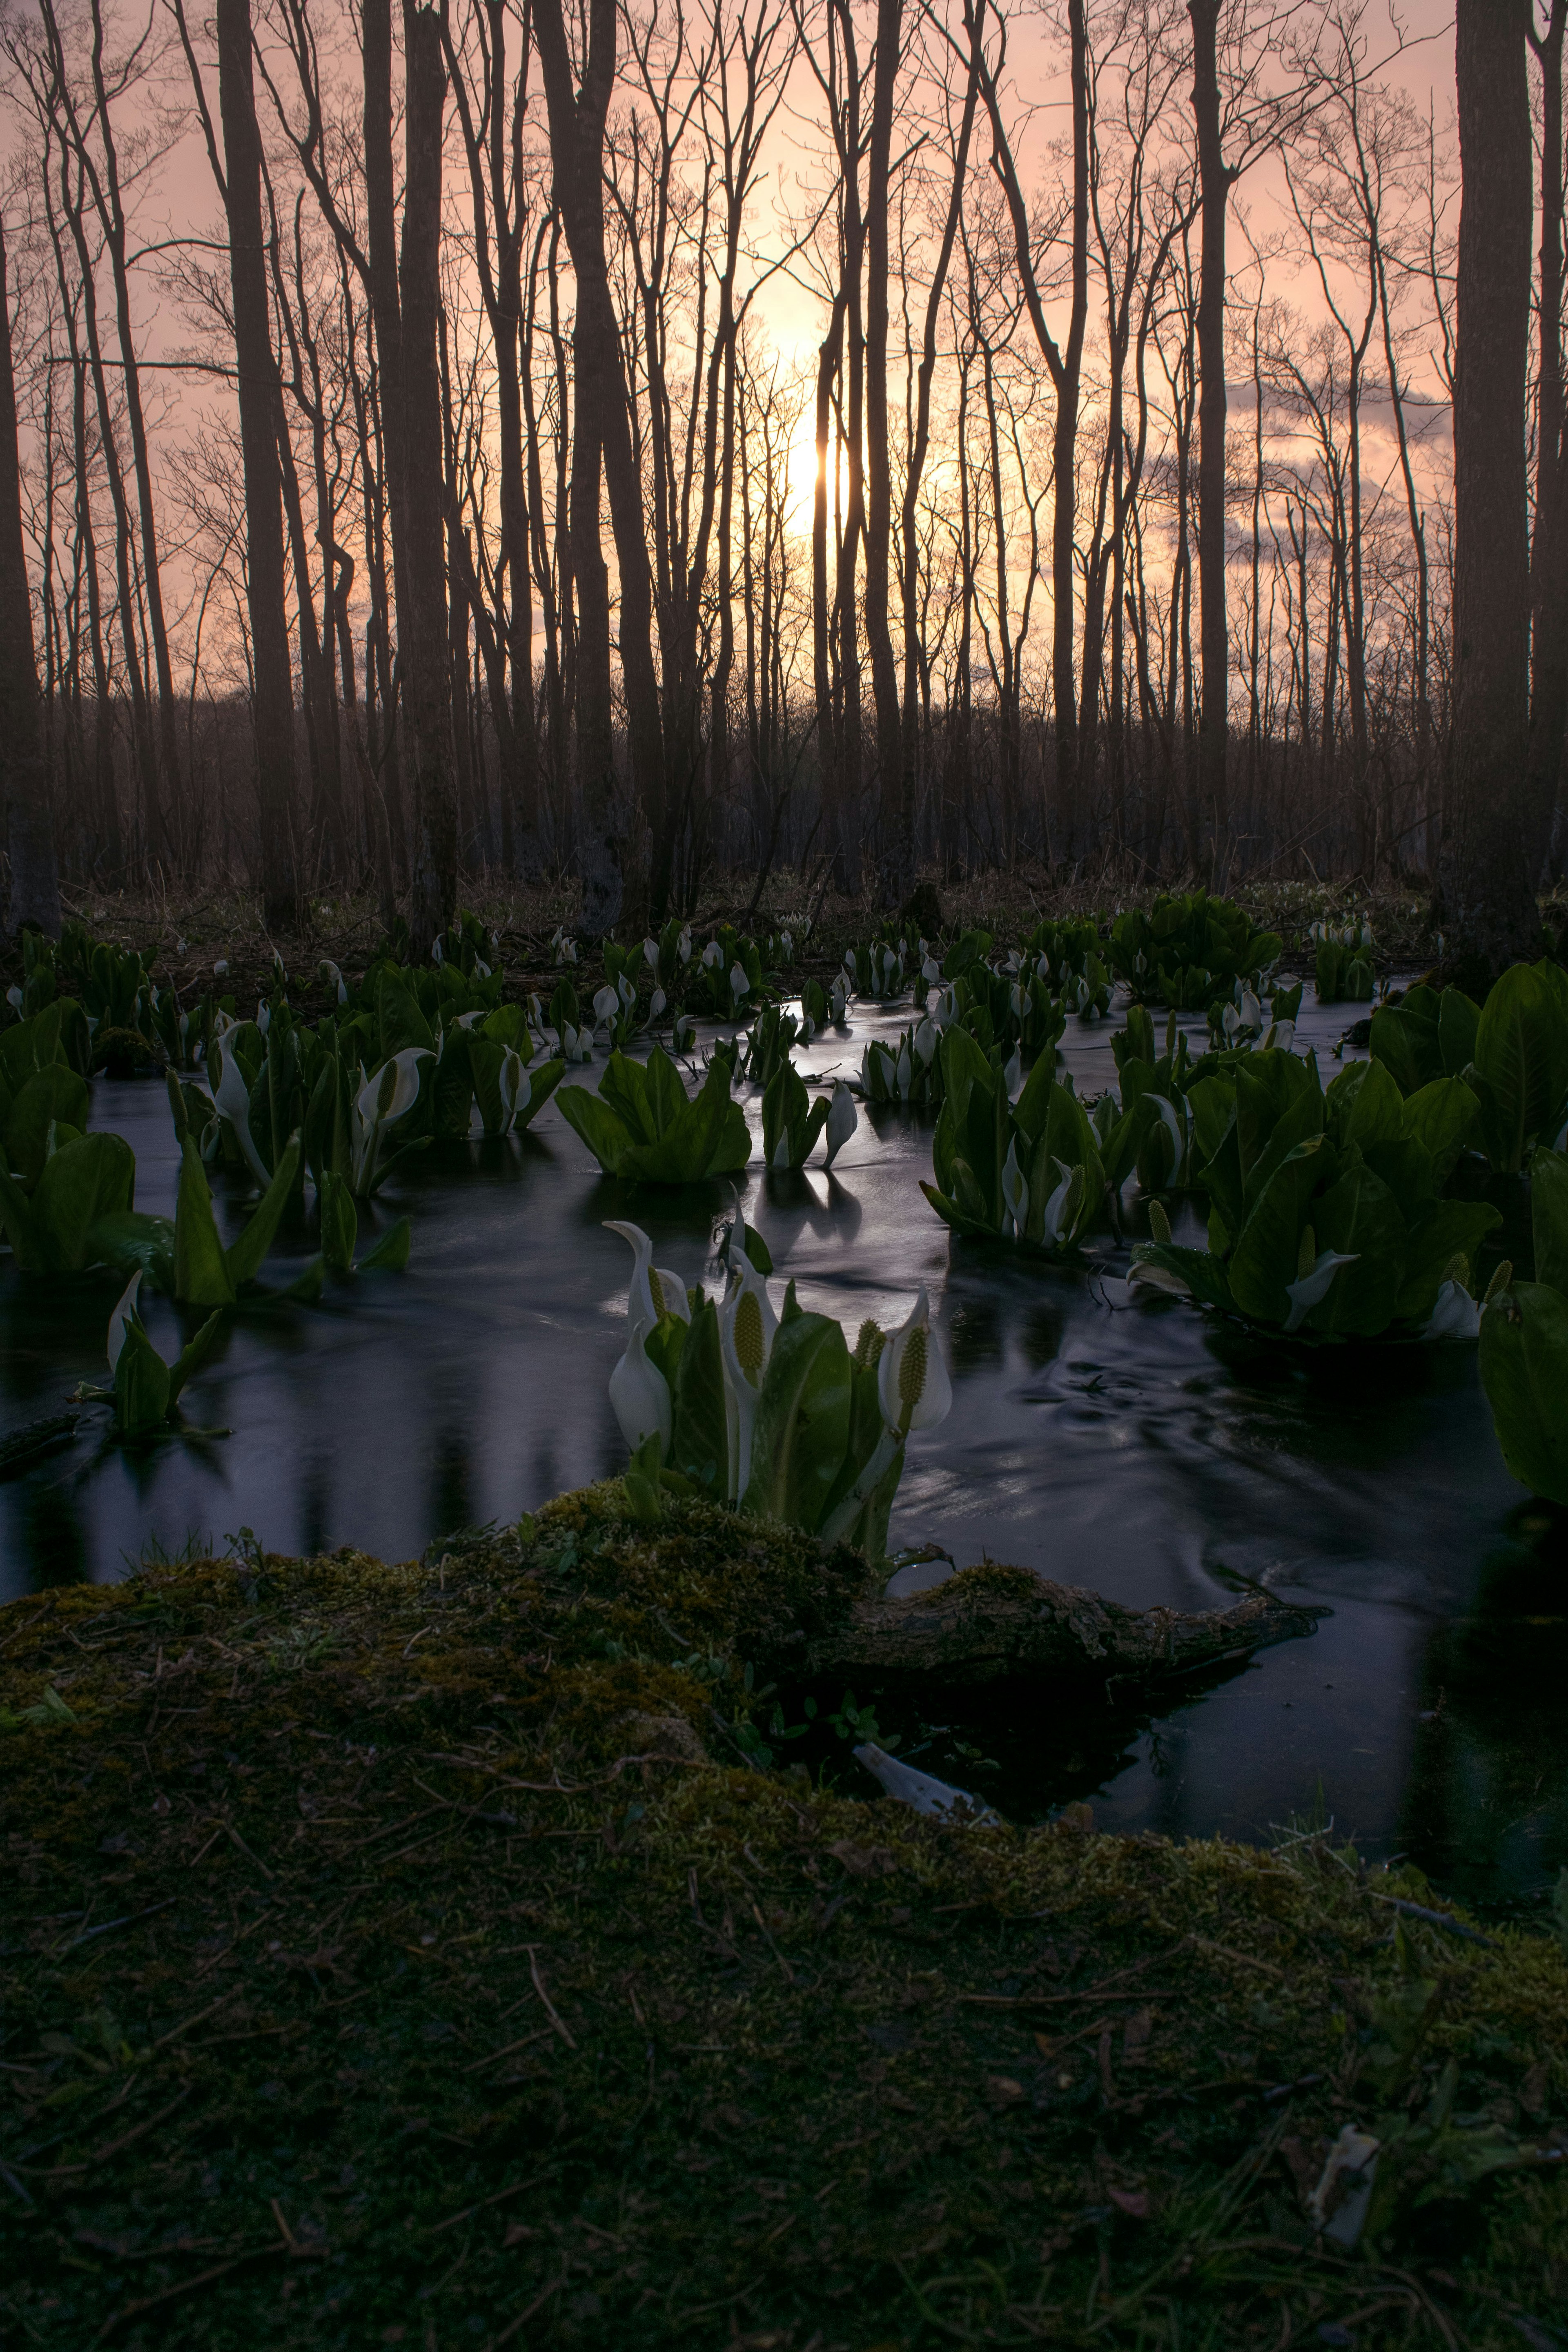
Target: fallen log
{"points": [[996, 1623]]}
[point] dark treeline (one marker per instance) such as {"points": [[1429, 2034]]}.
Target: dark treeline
{"points": [[660, 440]]}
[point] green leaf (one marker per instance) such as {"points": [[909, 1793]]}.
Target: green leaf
{"points": [[600, 1128], [625, 1088], [1359, 1216], [17, 1218], [452, 1087], [1521, 1058], [1203, 1273], [700, 1441], [202, 1274], [1549, 1216], [1405, 1039], [1363, 1105], [141, 1385], [194, 1356], [1445, 1119], [245, 1254], [1268, 1248], [52, 1094], [390, 1255], [1457, 1020], [85, 1180], [802, 1426], [1440, 1233], [338, 1222], [1524, 1371], [128, 1240]]}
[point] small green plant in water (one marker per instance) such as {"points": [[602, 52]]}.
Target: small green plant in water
{"points": [[643, 1125], [770, 1411], [146, 1390]]}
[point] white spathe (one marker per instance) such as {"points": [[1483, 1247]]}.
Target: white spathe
{"points": [[912, 1385], [124, 1313], [653, 1290]]}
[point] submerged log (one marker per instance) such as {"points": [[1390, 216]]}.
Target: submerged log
{"points": [[991, 1624]]}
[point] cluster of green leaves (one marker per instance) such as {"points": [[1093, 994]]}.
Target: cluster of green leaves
{"points": [[1188, 948], [1344, 963], [1325, 1212], [878, 969], [1067, 943], [726, 977], [146, 1390], [819, 1457], [1524, 1342], [642, 1124], [1512, 1053], [792, 1122], [907, 1068], [1008, 1008], [1028, 1172], [767, 1044]]}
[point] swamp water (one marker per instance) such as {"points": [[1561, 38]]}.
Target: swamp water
{"points": [[1152, 1452]]}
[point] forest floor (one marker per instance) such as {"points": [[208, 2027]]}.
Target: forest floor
{"points": [[400, 1954], [187, 934]]}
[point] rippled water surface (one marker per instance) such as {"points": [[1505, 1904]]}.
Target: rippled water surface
{"points": [[1146, 1449]]}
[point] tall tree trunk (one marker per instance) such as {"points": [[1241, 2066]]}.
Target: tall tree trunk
{"points": [[1495, 839], [1214, 181], [897, 811], [260, 399], [35, 896], [1549, 555], [426, 675]]}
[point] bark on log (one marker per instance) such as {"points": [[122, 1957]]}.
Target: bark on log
{"points": [[992, 1624]]}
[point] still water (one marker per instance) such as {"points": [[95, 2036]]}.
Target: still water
{"points": [[1142, 1448]]}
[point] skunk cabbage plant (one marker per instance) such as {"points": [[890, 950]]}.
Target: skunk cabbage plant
{"points": [[1186, 950], [1524, 1342], [1027, 1172], [770, 1409], [877, 970], [791, 1121], [1324, 1209], [643, 1125], [1345, 973], [146, 1390], [84, 1186], [906, 1070]]}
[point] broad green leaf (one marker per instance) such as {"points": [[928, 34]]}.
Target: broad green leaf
{"points": [[802, 1426], [1522, 1056], [398, 1020], [625, 1088], [452, 1084], [665, 1094], [1300, 1122], [85, 1180], [1457, 1020], [128, 1240], [1268, 1086], [17, 1218], [1549, 1217], [1405, 1039], [1436, 1235], [1363, 1105], [700, 1441], [245, 1254], [542, 1080], [601, 1128], [390, 1255], [1524, 1370], [338, 1222], [1268, 1248], [141, 1385], [1445, 1119], [1211, 1104], [1358, 1216], [194, 1356], [1406, 1167], [202, 1274], [1204, 1274], [54, 1094]]}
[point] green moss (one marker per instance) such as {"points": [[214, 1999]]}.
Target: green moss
{"points": [[393, 1948]]}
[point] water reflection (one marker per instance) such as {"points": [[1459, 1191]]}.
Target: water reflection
{"points": [[1139, 1448]]}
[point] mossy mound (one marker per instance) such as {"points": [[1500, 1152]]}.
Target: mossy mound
{"points": [[391, 1956]]}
